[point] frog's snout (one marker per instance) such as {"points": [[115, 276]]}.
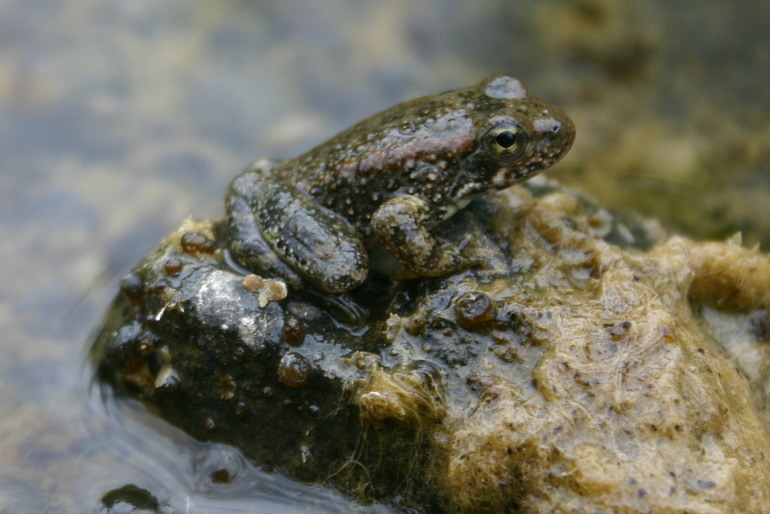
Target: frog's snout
{"points": [[555, 135], [549, 127]]}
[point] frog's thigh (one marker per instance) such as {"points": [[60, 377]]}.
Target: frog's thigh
{"points": [[246, 244], [398, 225], [319, 244]]}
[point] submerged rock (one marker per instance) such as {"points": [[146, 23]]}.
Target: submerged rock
{"points": [[587, 365]]}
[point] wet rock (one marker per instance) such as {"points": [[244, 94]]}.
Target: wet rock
{"points": [[586, 363], [129, 498]]}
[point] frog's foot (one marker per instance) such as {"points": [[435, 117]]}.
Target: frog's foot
{"points": [[316, 243], [398, 225], [342, 307], [248, 250]]}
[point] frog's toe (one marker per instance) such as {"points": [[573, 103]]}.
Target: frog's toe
{"points": [[344, 308]]}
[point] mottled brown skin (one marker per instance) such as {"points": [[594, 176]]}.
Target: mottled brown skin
{"points": [[391, 178]]}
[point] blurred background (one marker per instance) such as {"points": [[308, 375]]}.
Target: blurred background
{"points": [[119, 119]]}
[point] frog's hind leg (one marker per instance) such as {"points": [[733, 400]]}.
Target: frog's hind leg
{"points": [[247, 246], [317, 243]]}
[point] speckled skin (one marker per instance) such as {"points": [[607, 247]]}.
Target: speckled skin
{"points": [[391, 177]]}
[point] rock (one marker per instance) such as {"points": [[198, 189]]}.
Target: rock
{"points": [[587, 364]]}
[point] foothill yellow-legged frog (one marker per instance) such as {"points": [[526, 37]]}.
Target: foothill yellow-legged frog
{"points": [[391, 178]]}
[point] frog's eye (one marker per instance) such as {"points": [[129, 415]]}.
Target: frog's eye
{"points": [[507, 140]]}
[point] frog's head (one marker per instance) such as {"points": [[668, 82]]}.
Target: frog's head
{"points": [[517, 137]]}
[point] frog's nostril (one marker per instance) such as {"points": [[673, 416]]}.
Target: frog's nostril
{"points": [[548, 127]]}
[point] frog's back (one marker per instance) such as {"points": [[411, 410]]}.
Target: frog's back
{"points": [[380, 157], [441, 149]]}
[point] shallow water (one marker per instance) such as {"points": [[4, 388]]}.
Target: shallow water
{"points": [[117, 120]]}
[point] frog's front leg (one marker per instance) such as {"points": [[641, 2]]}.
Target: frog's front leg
{"points": [[399, 225]]}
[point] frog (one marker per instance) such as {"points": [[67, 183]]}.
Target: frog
{"points": [[388, 181]]}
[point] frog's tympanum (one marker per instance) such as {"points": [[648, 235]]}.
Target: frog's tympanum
{"points": [[588, 363], [392, 178]]}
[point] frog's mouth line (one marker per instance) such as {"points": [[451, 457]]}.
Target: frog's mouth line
{"points": [[502, 178], [466, 190], [506, 176], [470, 189]]}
